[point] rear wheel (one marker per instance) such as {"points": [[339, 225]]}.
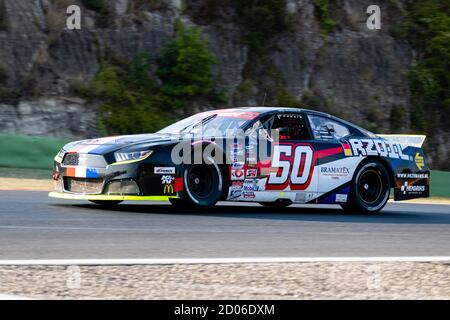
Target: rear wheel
{"points": [[370, 188], [280, 203], [106, 203]]}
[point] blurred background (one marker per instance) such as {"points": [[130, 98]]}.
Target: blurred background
{"points": [[137, 65]]}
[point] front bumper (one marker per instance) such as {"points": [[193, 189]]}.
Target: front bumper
{"points": [[90, 177], [104, 197]]}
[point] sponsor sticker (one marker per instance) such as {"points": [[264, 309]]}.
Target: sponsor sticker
{"points": [[251, 173], [300, 197], [303, 197], [235, 194], [334, 171], [237, 165], [412, 189], [164, 170], [168, 189], [249, 195], [250, 185], [237, 174], [412, 175], [237, 152], [167, 179], [237, 158], [378, 147], [347, 150], [290, 115], [237, 184], [341, 197], [418, 159]]}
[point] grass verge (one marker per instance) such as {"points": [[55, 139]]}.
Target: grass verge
{"points": [[29, 152]]}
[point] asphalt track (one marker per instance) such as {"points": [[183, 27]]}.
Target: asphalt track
{"points": [[33, 226]]}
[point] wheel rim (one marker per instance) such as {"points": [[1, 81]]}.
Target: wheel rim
{"points": [[370, 186], [200, 180]]}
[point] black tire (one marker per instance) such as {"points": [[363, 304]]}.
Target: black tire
{"points": [[370, 188], [203, 186], [106, 203], [280, 203]]}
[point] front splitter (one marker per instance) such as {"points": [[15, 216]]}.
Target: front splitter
{"points": [[104, 197]]}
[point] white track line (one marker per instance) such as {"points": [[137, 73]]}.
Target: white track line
{"points": [[66, 262], [431, 202]]}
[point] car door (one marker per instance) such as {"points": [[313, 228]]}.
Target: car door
{"points": [[292, 161], [334, 164]]}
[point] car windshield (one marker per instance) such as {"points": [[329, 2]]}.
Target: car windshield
{"points": [[210, 123]]}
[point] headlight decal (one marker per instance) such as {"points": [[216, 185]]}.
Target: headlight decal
{"points": [[130, 157]]}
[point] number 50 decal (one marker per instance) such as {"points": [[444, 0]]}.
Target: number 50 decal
{"points": [[295, 165]]}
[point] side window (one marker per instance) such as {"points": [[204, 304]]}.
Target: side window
{"points": [[261, 128], [327, 129], [291, 126]]}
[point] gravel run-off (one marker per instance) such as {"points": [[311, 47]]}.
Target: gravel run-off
{"points": [[324, 280]]}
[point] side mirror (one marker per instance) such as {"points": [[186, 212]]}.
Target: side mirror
{"points": [[328, 128], [331, 128]]}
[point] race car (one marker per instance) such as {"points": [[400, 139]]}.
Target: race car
{"points": [[268, 155]]}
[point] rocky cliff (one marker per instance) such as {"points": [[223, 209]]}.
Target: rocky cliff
{"points": [[351, 71]]}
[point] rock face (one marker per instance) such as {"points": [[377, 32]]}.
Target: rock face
{"points": [[353, 72], [65, 118]]}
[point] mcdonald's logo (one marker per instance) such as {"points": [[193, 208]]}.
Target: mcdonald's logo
{"points": [[168, 189]]}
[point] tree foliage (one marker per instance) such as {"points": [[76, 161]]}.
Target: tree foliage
{"points": [[185, 64], [427, 27], [132, 100]]}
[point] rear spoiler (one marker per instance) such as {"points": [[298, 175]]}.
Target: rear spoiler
{"points": [[405, 139]]}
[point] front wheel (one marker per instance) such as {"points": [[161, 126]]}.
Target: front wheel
{"points": [[370, 188], [203, 186]]}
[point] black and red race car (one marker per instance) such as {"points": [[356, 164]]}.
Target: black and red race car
{"points": [[272, 156]]}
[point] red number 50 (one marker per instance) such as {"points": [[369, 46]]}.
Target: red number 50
{"points": [[294, 168]]}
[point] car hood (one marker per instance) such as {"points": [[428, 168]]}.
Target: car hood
{"points": [[111, 144]]}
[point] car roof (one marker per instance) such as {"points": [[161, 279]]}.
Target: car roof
{"points": [[276, 109], [263, 110]]}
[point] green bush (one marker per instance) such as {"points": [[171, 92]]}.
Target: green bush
{"points": [[185, 64], [129, 101], [323, 15]]}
